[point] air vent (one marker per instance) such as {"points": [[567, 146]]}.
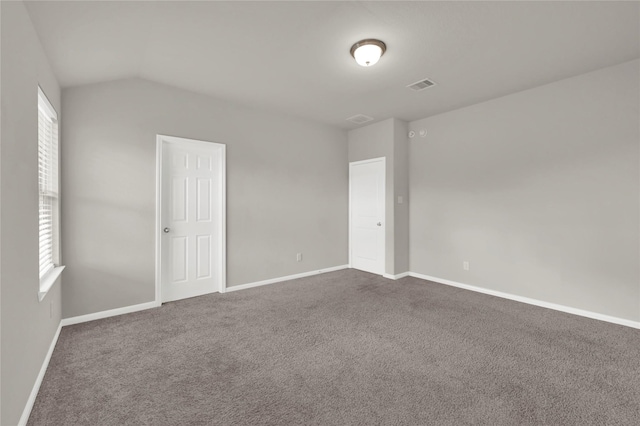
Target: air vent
{"points": [[360, 118], [421, 85]]}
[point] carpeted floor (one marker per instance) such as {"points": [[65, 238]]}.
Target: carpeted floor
{"points": [[343, 348]]}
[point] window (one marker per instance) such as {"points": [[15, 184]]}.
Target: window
{"points": [[48, 204]]}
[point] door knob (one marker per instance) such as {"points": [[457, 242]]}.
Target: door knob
{"points": [[166, 230], [379, 224]]}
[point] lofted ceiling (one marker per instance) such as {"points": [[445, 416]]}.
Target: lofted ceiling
{"points": [[293, 57]]}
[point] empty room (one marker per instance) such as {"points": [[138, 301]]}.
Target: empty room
{"points": [[320, 213]]}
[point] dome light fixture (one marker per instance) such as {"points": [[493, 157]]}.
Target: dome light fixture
{"points": [[367, 52]]}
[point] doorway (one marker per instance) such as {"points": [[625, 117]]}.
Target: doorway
{"points": [[190, 222], [367, 215]]}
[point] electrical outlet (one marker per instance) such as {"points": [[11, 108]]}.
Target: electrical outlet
{"points": [[299, 257], [465, 265]]}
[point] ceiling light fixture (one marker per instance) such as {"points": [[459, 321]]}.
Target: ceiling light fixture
{"points": [[367, 52]]}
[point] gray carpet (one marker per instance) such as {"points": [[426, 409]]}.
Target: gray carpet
{"points": [[343, 348]]}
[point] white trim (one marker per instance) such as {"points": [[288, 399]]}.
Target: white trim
{"points": [[110, 313], [70, 321], [287, 278], [384, 210], [36, 386], [155, 304], [135, 308], [535, 302], [48, 281], [46, 106], [158, 217], [223, 211], [397, 276], [370, 160], [223, 220]]}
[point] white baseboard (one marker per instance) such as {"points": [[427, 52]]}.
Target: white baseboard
{"points": [[110, 313], [149, 305], [543, 304], [287, 278], [36, 386], [135, 308], [397, 276]]}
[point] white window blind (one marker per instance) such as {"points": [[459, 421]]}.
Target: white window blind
{"points": [[47, 184]]}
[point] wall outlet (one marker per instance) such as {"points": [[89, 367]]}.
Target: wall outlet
{"points": [[299, 257], [465, 265]]}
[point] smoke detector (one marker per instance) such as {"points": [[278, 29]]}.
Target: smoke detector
{"points": [[360, 119]]}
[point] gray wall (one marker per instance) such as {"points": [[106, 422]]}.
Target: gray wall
{"points": [[401, 189], [538, 190], [388, 139], [375, 141], [26, 326], [287, 189]]}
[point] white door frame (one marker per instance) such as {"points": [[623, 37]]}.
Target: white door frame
{"points": [[384, 210], [160, 141]]}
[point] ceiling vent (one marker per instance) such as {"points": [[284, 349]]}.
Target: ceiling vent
{"points": [[360, 118], [421, 85]]}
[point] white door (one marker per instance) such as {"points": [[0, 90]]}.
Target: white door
{"points": [[191, 222], [367, 215]]}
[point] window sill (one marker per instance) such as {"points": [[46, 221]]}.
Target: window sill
{"points": [[48, 280]]}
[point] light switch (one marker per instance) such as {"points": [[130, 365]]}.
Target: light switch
{"points": [[399, 199]]}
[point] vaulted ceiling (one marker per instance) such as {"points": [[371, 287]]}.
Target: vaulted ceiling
{"points": [[293, 57]]}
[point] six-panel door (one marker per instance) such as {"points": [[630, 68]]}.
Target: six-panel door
{"points": [[191, 219]]}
